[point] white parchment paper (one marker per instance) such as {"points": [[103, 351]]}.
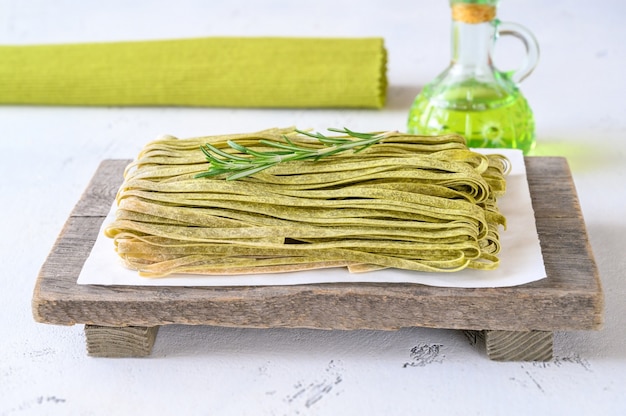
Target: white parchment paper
{"points": [[521, 260]]}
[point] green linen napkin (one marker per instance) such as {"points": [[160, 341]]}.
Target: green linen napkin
{"points": [[215, 71]]}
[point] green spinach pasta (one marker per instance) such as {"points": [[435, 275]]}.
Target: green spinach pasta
{"points": [[419, 203]]}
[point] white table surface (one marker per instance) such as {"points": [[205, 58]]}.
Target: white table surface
{"points": [[50, 153]]}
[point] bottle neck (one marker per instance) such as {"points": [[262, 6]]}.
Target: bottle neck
{"points": [[471, 45]]}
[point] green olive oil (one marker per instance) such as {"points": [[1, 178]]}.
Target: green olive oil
{"points": [[471, 97], [488, 119]]}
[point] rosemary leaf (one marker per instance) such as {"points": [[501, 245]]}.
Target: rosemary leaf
{"points": [[240, 166]]}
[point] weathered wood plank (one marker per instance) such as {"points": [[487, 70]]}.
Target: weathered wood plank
{"points": [[513, 345], [569, 299], [119, 342], [519, 346], [97, 198]]}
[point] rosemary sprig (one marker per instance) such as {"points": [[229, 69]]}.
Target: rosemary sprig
{"points": [[238, 166]]}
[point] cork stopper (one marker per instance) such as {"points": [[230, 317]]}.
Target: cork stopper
{"points": [[473, 13]]}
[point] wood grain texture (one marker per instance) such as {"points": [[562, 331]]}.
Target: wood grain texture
{"points": [[130, 341], [513, 345], [519, 346], [569, 299]]}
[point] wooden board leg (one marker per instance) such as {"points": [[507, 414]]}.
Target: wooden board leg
{"points": [[515, 345], [119, 342]]}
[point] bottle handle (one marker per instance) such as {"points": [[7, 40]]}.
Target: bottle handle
{"points": [[530, 43]]}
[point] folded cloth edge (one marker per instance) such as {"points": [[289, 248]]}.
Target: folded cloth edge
{"points": [[212, 72]]}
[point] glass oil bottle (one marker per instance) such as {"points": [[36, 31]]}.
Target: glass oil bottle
{"points": [[472, 97]]}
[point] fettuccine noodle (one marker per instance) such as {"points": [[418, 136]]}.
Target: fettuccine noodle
{"points": [[426, 204]]}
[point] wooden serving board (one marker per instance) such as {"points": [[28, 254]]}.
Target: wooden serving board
{"points": [[516, 323]]}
